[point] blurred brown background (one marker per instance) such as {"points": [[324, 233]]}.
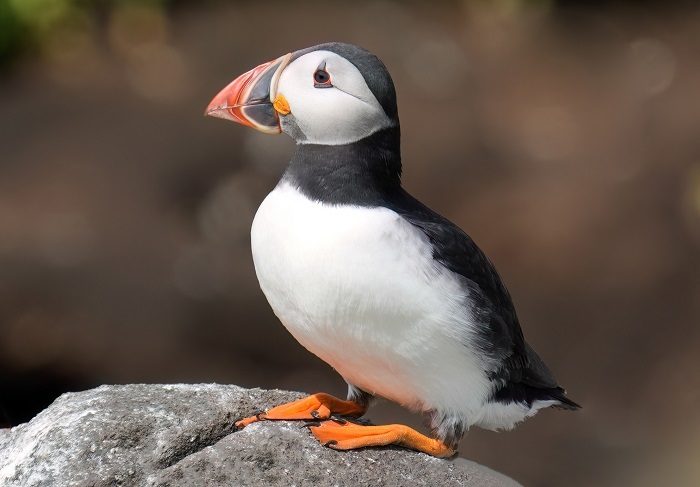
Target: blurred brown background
{"points": [[564, 137]]}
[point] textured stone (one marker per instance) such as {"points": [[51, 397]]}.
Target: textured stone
{"points": [[182, 435]]}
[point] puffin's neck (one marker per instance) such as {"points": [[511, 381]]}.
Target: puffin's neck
{"points": [[363, 173]]}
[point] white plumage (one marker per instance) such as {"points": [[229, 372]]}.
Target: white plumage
{"points": [[359, 288], [342, 115]]}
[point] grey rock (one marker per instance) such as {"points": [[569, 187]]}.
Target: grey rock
{"points": [[182, 435]]}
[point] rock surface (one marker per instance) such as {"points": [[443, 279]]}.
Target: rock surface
{"points": [[183, 435]]}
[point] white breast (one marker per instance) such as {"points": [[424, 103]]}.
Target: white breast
{"points": [[358, 287]]}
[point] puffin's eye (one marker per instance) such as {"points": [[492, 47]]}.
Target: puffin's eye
{"points": [[321, 77]]}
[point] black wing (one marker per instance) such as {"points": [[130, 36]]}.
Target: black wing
{"points": [[521, 375]]}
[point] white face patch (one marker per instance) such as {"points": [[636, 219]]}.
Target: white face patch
{"points": [[344, 113]]}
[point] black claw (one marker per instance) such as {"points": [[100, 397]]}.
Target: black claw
{"points": [[351, 419], [310, 424], [315, 415], [330, 443]]}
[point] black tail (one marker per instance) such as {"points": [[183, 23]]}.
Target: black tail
{"points": [[558, 394], [529, 380]]}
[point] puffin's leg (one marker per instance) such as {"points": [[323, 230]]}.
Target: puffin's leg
{"points": [[317, 406], [349, 436]]}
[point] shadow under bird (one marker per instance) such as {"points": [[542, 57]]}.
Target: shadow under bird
{"points": [[396, 298]]}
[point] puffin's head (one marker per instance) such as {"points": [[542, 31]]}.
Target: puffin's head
{"points": [[329, 94]]}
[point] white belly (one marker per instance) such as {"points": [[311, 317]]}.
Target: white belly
{"points": [[358, 287]]}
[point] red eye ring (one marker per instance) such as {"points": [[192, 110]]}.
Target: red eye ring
{"points": [[322, 79]]}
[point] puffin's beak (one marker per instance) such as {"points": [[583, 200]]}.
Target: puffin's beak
{"points": [[249, 98]]}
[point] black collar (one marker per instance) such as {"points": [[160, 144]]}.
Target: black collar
{"points": [[363, 173]]}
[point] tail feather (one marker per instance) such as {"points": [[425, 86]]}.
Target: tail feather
{"points": [[559, 394]]}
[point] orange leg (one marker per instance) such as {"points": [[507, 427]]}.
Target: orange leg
{"points": [[349, 436], [316, 406]]}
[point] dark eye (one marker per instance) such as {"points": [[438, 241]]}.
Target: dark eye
{"points": [[321, 77]]}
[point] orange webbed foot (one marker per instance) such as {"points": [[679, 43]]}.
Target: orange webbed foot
{"points": [[317, 407], [348, 436]]}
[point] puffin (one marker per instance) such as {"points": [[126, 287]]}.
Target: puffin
{"points": [[395, 297]]}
